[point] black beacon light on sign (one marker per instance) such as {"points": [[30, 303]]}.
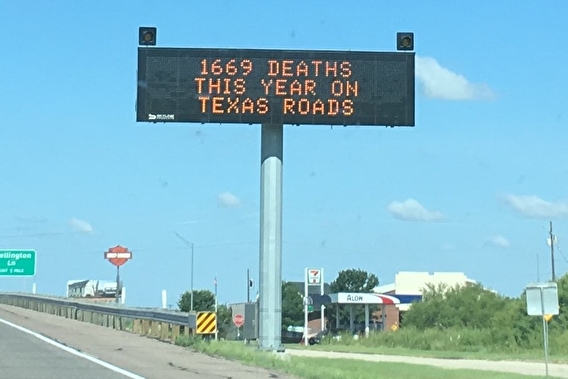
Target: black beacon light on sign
{"points": [[147, 36], [405, 41]]}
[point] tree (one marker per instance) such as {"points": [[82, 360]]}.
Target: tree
{"points": [[292, 305], [224, 314], [561, 320], [469, 306], [203, 301], [356, 281], [224, 320]]}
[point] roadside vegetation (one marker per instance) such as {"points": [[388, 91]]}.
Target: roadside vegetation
{"points": [[456, 322], [317, 368], [468, 321]]}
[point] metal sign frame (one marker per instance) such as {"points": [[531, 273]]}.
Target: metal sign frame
{"points": [[542, 300], [259, 86]]}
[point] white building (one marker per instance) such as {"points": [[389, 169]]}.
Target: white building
{"points": [[413, 283]]}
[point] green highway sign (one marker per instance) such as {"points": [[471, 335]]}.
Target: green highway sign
{"points": [[16, 262]]}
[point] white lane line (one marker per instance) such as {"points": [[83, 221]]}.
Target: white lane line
{"points": [[68, 349]]}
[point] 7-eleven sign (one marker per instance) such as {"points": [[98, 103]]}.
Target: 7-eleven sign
{"points": [[314, 276]]}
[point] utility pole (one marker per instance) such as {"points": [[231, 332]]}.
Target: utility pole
{"points": [[248, 286], [117, 296], [216, 308], [537, 269], [191, 284], [552, 252]]}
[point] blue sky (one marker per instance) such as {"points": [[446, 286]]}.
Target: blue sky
{"points": [[471, 188]]}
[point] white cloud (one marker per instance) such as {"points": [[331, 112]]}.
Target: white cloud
{"points": [[228, 200], [81, 226], [535, 207], [498, 241], [412, 210], [441, 83]]}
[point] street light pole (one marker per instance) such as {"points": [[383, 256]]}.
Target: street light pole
{"points": [[191, 289], [190, 244]]}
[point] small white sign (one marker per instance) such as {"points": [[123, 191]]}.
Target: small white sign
{"points": [[314, 276], [109, 255], [542, 299]]}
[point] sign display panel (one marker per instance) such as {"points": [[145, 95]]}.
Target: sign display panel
{"points": [[275, 86], [17, 262], [542, 299]]}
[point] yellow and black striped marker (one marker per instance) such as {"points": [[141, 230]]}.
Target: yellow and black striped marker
{"points": [[206, 323]]}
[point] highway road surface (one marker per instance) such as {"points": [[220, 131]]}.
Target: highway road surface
{"points": [[24, 356], [110, 354], [37, 355]]}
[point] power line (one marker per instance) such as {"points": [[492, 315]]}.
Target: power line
{"points": [[325, 246], [562, 253], [45, 234]]}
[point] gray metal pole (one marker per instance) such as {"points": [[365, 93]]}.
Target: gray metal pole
{"points": [[216, 309], [270, 278], [306, 304], [190, 244], [191, 296], [367, 320], [537, 269], [322, 308], [544, 331], [248, 286], [383, 317], [552, 253], [117, 297]]}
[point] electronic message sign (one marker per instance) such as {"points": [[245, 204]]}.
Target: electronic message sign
{"points": [[275, 86]]}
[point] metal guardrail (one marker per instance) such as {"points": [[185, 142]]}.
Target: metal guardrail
{"points": [[178, 318], [77, 309]]}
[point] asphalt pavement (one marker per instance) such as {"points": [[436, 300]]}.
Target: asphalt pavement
{"points": [[24, 356], [144, 357]]}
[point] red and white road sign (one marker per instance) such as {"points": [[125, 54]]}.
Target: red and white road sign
{"points": [[118, 255], [238, 320], [314, 276]]}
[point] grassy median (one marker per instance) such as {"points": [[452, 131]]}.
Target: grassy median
{"points": [[525, 356], [460, 344], [316, 368]]}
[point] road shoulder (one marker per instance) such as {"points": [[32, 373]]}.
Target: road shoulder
{"points": [[144, 356]]}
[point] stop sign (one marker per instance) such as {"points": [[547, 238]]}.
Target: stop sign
{"points": [[238, 320]]}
